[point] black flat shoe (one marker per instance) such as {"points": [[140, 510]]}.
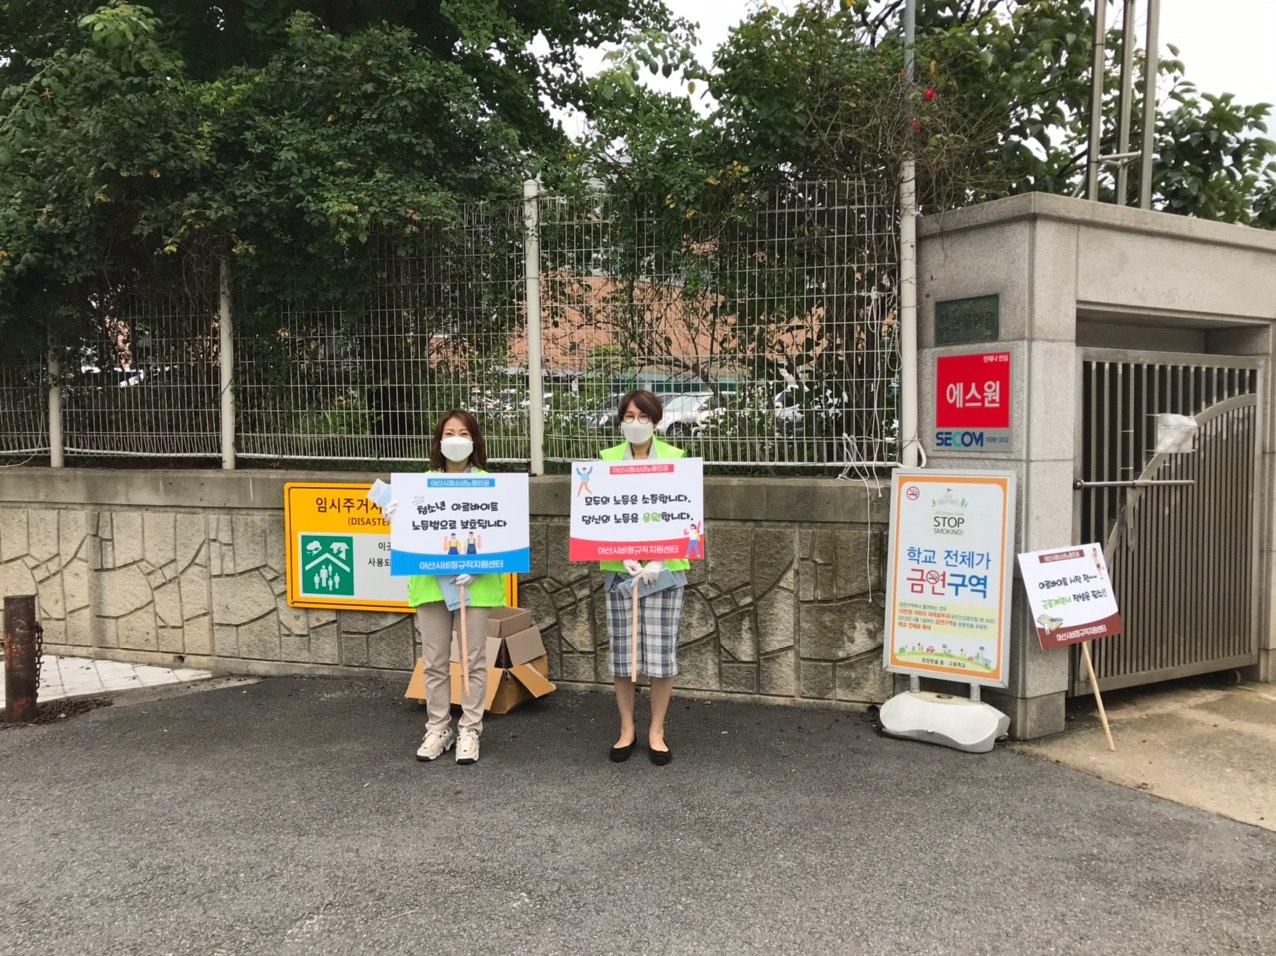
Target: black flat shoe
{"points": [[621, 754], [660, 757]]}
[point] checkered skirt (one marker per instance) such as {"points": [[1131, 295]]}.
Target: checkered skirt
{"points": [[659, 615]]}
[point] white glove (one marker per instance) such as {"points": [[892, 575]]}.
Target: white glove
{"points": [[634, 568], [651, 570], [388, 511], [462, 580]]}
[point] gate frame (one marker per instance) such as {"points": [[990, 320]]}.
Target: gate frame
{"points": [[1078, 680]]}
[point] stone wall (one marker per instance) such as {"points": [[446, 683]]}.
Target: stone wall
{"points": [[161, 567]]}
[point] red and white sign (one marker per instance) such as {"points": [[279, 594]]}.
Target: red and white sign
{"points": [[972, 401], [1070, 594], [639, 510]]}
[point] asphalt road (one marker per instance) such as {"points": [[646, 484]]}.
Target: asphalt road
{"points": [[289, 816]]}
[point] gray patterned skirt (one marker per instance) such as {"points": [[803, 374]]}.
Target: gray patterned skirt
{"points": [[659, 615]]}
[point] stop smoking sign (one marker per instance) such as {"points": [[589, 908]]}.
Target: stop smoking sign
{"points": [[972, 401]]}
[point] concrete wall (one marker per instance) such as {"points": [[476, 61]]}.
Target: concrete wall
{"points": [[1071, 273], [161, 566]]}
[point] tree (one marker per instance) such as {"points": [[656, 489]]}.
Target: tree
{"points": [[280, 134], [816, 94], [1001, 107]]}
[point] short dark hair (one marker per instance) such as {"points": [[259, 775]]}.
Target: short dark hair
{"points": [[478, 457], [646, 401]]}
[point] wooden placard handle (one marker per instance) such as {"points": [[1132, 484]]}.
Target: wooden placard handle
{"points": [[465, 646], [633, 642], [1098, 698]]}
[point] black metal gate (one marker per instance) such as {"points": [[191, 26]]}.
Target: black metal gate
{"points": [[1178, 527]]}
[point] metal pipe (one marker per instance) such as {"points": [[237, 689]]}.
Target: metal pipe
{"points": [[1152, 64], [532, 279], [1125, 103], [226, 355], [908, 394], [1138, 483], [21, 662], [56, 454], [1119, 159], [1096, 97]]}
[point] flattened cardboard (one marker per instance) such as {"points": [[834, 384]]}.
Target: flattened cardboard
{"points": [[519, 685], [458, 691], [532, 678], [493, 648], [507, 687], [524, 646]]}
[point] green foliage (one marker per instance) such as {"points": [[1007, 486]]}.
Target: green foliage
{"points": [[1000, 106], [282, 134]]}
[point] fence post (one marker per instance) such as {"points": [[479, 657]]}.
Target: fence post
{"points": [[54, 368], [532, 277], [226, 354]]}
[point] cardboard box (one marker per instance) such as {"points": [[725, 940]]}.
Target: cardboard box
{"points": [[517, 665], [522, 647], [503, 621]]}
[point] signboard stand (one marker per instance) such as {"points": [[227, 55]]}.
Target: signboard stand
{"points": [[948, 603], [956, 722]]}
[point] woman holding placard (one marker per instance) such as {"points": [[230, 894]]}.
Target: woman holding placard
{"points": [[457, 447], [660, 587]]}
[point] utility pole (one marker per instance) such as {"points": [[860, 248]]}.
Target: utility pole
{"points": [[908, 396]]}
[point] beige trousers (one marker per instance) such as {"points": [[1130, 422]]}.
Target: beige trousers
{"points": [[436, 623]]}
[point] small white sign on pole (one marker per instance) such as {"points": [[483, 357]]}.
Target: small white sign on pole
{"points": [[1070, 594]]}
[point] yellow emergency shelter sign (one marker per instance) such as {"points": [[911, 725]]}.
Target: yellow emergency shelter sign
{"points": [[338, 550]]}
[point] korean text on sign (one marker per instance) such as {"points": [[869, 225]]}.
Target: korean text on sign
{"points": [[948, 577], [1070, 595], [640, 510], [460, 524]]}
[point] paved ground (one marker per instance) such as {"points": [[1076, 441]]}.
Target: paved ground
{"points": [[289, 816], [62, 677], [1208, 742]]}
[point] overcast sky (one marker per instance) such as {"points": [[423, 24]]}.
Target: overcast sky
{"points": [[1225, 44]]}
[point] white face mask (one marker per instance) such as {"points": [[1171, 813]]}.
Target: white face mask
{"points": [[637, 433], [456, 447]]}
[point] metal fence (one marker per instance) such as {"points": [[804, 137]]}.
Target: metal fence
{"points": [[143, 379], [24, 409], [767, 324], [768, 329], [437, 329]]}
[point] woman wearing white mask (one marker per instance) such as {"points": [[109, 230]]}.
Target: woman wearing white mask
{"points": [[660, 610], [457, 447]]}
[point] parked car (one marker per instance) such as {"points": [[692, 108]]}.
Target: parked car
{"points": [[95, 377], [798, 406], [687, 413], [603, 418]]}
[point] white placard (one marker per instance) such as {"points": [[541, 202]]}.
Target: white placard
{"points": [[1070, 594], [460, 524], [641, 510]]}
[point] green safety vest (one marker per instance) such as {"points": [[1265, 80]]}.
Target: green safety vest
{"points": [[486, 590], [659, 449]]}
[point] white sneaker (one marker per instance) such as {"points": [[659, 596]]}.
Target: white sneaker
{"points": [[436, 744], [467, 747]]}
